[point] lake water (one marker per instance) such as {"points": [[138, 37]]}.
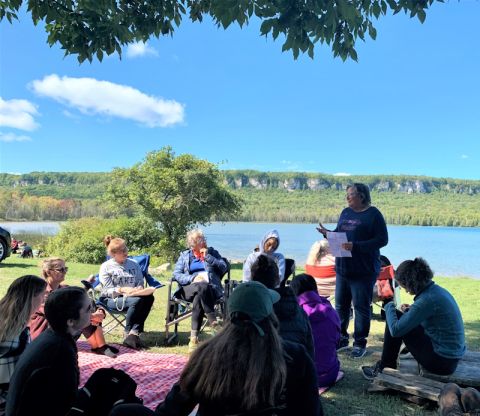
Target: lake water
{"points": [[451, 251]]}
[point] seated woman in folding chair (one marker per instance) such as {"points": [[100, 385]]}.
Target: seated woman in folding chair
{"points": [[54, 271], [199, 271], [122, 289]]}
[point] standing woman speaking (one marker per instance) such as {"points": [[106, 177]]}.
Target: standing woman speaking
{"points": [[366, 233]]}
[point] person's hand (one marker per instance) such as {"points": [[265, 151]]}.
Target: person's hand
{"points": [[347, 246], [97, 317], [404, 307], [322, 230], [204, 251]]}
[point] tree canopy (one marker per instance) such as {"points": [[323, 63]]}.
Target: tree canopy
{"points": [[89, 28], [177, 192]]}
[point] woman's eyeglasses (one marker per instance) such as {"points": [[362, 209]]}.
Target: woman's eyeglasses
{"points": [[61, 269]]}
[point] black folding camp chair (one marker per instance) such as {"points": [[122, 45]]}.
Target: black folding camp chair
{"points": [[179, 309]]}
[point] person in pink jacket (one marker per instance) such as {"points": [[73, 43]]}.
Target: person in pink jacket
{"points": [[325, 325]]}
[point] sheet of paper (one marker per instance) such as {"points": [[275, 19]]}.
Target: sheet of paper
{"points": [[335, 241]]}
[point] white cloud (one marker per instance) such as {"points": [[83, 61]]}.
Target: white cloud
{"points": [[12, 137], [464, 156], [91, 96], [18, 114], [342, 174], [138, 49]]}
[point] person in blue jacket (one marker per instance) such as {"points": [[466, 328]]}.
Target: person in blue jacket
{"points": [[199, 271], [431, 328], [366, 233]]}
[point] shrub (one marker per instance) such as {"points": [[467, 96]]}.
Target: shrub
{"points": [[82, 240]]}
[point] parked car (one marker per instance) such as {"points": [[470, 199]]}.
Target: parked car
{"points": [[5, 241]]}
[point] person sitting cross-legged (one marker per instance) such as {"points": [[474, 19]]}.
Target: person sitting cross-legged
{"points": [[199, 271], [431, 328]]}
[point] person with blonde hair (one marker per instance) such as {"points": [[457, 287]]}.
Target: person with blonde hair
{"points": [[23, 296], [54, 271], [199, 271], [321, 266], [122, 289]]}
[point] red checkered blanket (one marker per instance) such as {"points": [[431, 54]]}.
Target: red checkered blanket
{"points": [[154, 373]]}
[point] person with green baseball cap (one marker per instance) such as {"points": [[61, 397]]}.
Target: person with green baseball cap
{"points": [[246, 369]]}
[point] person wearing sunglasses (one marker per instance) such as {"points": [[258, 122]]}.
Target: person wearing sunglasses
{"points": [[54, 271]]}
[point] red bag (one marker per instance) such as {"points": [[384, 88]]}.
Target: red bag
{"points": [[384, 283]]}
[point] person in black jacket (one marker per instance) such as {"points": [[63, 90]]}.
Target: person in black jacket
{"points": [[294, 323], [246, 369], [46, 378]]}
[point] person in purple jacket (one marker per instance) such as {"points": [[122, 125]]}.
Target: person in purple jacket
{"points": [[325, 325]]}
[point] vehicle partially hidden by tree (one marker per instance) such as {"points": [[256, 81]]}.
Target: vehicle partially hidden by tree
{"points": [[177, 192], [93, 28]]}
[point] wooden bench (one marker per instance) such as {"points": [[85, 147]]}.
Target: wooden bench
{"points": [[412, 380]]}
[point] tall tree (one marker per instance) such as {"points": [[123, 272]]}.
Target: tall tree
{"points": [[176, 191], [87, 28]]}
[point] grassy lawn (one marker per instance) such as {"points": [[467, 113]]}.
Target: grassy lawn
{"points": [[348, 398]]}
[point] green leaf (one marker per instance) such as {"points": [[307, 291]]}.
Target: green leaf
{"points": [[421, 15]]}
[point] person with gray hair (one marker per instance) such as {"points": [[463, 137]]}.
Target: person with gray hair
{"points": [[199, 271]]}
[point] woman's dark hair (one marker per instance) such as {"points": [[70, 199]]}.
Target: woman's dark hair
{"points": [[303, 283], [265, 270], [414, 275], [363, 191], [238, 366], [63, 304]]}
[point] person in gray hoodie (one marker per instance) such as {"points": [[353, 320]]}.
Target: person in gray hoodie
{"points": [[269, 245]]}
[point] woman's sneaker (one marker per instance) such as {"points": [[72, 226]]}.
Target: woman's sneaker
{"points": [[358, 352], [370, 372], [193, 344]]}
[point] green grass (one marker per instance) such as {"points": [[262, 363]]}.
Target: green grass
{"points": [[349, 397]]}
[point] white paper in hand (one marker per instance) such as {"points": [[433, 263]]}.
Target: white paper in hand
{"points": [[335, 241]]}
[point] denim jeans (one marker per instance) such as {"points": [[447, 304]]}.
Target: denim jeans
{"points": [[137, 307], [359, 293], [420, 345]]}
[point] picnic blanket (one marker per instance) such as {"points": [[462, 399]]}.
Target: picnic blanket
{"points": [[154, 373]]}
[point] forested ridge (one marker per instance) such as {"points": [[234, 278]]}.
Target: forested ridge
{"points": [[267, 196]]}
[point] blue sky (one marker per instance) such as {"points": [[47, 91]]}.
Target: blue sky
{"points": [[411, 105]]}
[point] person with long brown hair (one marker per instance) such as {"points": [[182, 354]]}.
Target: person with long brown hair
{"points": [[54, 271], [24, 295], [246, 369]]}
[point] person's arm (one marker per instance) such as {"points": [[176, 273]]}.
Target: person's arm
{"points": [[179, 274], [416, 314], [379, 238], [281, 265], [214, 260], [108, 285], [177, 403], [247, 267]]}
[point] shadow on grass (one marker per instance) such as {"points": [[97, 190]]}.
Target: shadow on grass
{"points": [[14, 265], [157, 339]]}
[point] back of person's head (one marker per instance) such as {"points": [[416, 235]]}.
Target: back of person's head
{"points": [[265, 270], [318, 250], [16, 306], [50, 264], [414, 275], [114, 245], [363, 191], [303, 283], [244, 363], [62, 305]]}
